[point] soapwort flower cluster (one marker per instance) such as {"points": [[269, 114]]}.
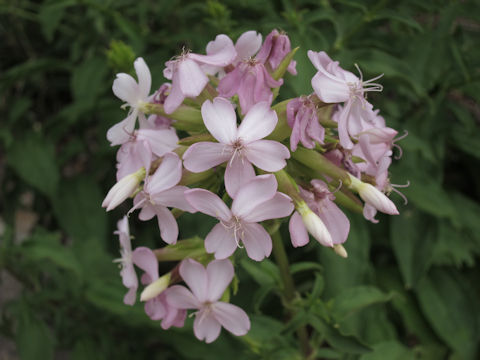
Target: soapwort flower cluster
{"points": [[246, 160]]}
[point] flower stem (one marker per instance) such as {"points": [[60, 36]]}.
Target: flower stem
{"points": [[289, 288]]}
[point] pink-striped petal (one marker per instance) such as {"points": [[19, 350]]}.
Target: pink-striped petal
{"points": [[195, 276], [208, 203], [220, 274], [231, 317], [220, 119], [259, 122], [279, 206], [202, 156], [267, 155]]}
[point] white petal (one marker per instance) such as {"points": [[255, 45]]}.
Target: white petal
{"points": [[232, 318], [202, 156], [208, 203], [220, 119], [259, 122], [166, 176], [220, 274], [267, 155], [144, 77], [126, 88], [195, 276], [253, 194], [192, 78], [248, 44]]}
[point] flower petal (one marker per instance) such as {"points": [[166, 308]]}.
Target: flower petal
{"points": [[239, 171], [146, 260], [144, 77], [161, 141], [174, 197], [335, 220], [220, 274], [205, 326], [220, 119], [208, 203], [298, 231], [330, 90], [121, 132], [192, 78], [231, 317], [253, 194], [176, 96], [248, 44], [221, 52], [267, 155], [166, 176], [279, 206], [195, 276], [220, 241], [181, 298], [259, 122], [167, 224], [202, 156], [126, 88], [257, 241]]}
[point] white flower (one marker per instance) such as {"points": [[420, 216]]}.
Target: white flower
{"points": [[123, 189]]}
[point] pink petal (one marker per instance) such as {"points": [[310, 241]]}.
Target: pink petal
{"points": [[167, 224], [229, 84], [208, 203], [161, 141], [166, 176], [258, 123], [369, 213], [343, 118], [279, 206], [239, 171], [257, 241], [121, 132], [146, 260], [176, 96], [195, 276], [253, 194], [174, 197], [267, 155], [155, 309], [192, 78], [126, 88], [220, 274], [220, 119], [220, 241], [130, 296], [330, 90], [205, 326], [231, 317], [181, 298], [298, 231], [335, 220], [202, 156], [148, 211], [144, 77], [221, 52], [248, 44]]}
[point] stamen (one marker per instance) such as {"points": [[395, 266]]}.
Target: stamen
{"points": [[139, 204], [400, 151]]}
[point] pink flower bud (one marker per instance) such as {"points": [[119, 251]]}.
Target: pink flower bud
{"points": [[371, 195]]}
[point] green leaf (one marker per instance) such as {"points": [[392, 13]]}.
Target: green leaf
{"points": [[33, 337], [89, 81], [51, 14], [451, 309], [264, 273], [391, 350], [33, 159]]}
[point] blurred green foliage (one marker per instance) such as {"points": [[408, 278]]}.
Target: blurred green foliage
{"points": [[410, 287]]}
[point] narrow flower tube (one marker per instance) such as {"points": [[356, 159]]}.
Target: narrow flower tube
{"points": [[372, 196], [123, 189]]}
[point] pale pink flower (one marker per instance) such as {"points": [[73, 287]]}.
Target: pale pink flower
{"points": [[188, 78], [206, 288], [251, 82], [156, 307], [303, 119], [129, 277], [241, 147], [274, 49], [256, 201], [160, 191], [332, 84], [135, 95]]}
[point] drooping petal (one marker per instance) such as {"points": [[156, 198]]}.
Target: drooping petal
{"points": [[195, 276], [146, 260], [126, 88], [257, 241], [230, 83], [220, 241], [268, 155], [202, 156], [181, 298], [205, 326], [220, 119], [298, 231], [132, 156], [258, 123], [220, 274], [231, 317], [208, 203], [167, 224], [239, 171], [254, 193], [130, 296], [279, 206], [166, 176], [343, 118], [174, 197], [144, 77], [121, 132], [221, 52]]}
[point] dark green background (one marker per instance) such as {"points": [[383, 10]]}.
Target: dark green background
{"points": [[410, 287]]}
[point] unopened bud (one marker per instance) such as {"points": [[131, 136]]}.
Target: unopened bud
{"points": [[155, 288], [371, 195], [315, 225], [340, 250], [123, 189]]}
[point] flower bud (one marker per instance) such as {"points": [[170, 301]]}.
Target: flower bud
{"points": [[340, 250], [315, 225], [371, 195], [123, 189], [155, 288]]}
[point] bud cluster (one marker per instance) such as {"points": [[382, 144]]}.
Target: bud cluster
{"points": [[231, 162]]}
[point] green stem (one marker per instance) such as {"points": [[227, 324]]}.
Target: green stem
{"points": [[289, 288]]}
